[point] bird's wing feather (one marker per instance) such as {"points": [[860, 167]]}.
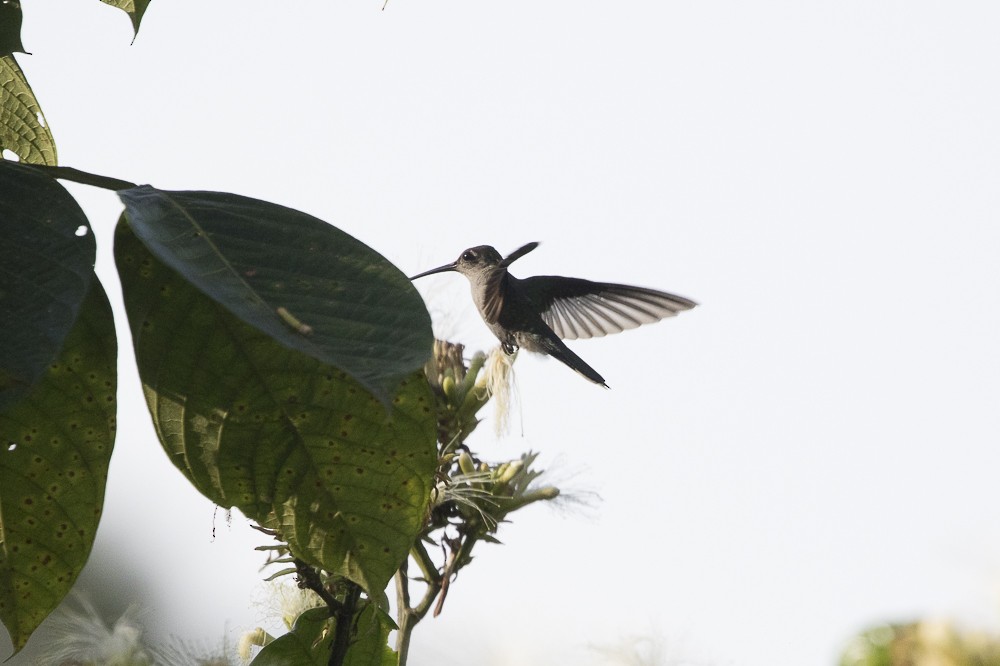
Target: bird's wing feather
{"points": [[517, 254], [497, 284], [496, 289], [577, 309]]}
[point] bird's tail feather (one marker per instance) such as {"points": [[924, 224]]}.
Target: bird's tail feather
{"points": [[557, 349]]}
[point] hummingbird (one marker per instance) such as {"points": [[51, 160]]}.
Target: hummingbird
{"points": [[538, 313]]}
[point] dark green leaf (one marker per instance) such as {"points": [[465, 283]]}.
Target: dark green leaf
{"points": [[369, 641], [307, 644], [303, 282], [10, 27], [295, 444], [46, 264], [134, 8], [55, 445], [22, 127]]}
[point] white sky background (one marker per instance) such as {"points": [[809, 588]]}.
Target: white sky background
{"points": [[812, 450]]}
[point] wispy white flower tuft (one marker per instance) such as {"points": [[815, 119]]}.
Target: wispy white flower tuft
{"points": [[184, 653], [498, 379], [641, 651], [287, 601], [633, 651], [81, 636], [250, 640], [576, 497], [468, 489]]}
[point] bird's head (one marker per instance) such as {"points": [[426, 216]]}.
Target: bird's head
{"points": [[473, 263], [478, 262]]}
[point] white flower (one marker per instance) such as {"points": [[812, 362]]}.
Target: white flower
{"points": [[81, 636], [250, 640], [287, 601]]}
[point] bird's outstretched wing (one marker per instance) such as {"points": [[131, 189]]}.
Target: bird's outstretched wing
{"points": [[496, 287], [496, 290], [518, 253], [577, 309]]}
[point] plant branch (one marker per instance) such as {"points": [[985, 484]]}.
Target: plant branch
{"points": [[309, 578], [426, 564], [344, 623], [78, 176], [404, 614], [431, 575], [407, 616], [403, 586]]}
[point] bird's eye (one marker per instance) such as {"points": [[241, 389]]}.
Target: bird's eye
{"points": [[468, 255]]}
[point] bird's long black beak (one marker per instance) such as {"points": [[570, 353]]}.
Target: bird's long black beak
{"points": [[440, 269]]}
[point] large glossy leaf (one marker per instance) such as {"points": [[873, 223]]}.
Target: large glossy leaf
{"points": [[46, 265], [10, 27], [292, 442], [55, 445], [305, 283], [134, 8], [23, 130]]}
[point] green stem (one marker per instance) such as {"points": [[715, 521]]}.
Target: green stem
{"points": [[77, 176], [407, 617], [404, 615], [431, 575]]}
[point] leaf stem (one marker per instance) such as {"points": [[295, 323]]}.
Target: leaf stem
{"points": [[78, 176]]}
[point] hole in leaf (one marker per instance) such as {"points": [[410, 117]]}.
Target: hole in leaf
{"points": [[81, 230]]}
